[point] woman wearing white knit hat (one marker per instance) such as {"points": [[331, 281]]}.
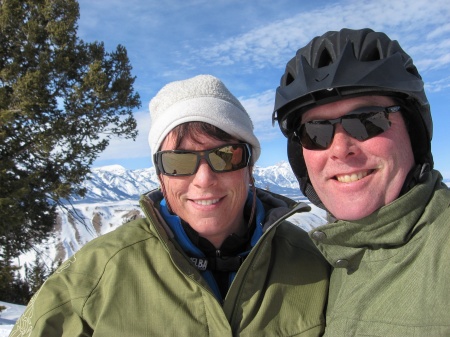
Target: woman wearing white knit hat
{"points": [[213, 256]]}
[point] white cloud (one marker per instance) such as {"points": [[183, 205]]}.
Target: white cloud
{"points": [[271, 43], [126, 148], [260, 107], [438, 86]]}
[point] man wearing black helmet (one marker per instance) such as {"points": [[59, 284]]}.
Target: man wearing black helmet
{"points": [[353, 108]]}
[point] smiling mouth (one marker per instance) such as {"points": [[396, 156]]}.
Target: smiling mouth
{"points": [[206, 202], [349, 178]]}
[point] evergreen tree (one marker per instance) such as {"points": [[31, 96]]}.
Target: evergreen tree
{"points": [[61, 100], [12, 288], [7, 277], [36, 274]]}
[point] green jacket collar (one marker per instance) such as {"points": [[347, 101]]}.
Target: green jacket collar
{"points": [[343, 243]]}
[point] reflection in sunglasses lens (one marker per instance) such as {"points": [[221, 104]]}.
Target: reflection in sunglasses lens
{"points": [[223, 159], [179, 163], [362, 124]]}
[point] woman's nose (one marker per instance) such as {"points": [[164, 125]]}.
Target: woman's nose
{"points": [[204, 176]]}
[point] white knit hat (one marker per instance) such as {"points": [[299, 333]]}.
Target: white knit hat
{"points": [[203, 98]]}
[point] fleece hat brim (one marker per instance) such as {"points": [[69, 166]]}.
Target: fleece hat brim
{"points": [[203, 98]]}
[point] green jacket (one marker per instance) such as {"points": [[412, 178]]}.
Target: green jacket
{"points": [[136, 281], [392, 268]]}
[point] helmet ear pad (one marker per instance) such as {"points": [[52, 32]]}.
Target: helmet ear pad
{"points": [[298, 165], [415, 117]]}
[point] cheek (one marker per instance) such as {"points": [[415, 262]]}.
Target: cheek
{"points": [[400, 146], [311, 157], [173, 188], [241, 178], [315, 162], [394, 149], [238, 182]]}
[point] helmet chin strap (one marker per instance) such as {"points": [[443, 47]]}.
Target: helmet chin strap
{"points": [[416, 176]]}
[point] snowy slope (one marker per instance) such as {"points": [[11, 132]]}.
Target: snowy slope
{"points": [[9, 316]]}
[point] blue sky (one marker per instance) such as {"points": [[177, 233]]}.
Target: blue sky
{"points": [[247, 44]]}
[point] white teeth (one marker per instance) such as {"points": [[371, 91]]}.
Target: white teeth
{"points": [[206, 202], [348, 178]]}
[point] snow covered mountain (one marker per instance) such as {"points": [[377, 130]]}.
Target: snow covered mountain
{"points": [[114, 183]]}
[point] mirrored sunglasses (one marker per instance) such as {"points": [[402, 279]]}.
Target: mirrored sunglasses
{"points": [[362, 124], [225, 158]]}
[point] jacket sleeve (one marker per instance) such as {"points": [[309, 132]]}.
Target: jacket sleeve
{"points": [[55, 310]]}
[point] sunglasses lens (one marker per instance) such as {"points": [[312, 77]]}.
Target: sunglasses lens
{"points": [[228, 158], [377, 123], [222, 159], [366, 126], [178, 163], [316, 135]]}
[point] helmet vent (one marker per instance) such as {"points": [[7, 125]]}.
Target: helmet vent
{"points": [[325, 59], [371, 54], [289, 78], [413, 70]]}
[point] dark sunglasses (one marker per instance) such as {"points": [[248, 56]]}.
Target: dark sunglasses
{"points": [[362, 124], [225, 158]]}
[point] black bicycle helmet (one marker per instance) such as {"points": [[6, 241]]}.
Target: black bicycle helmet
{"points": [[346, 64]]}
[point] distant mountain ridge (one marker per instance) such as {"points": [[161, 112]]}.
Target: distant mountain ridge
{"points": [[115, 183]]}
